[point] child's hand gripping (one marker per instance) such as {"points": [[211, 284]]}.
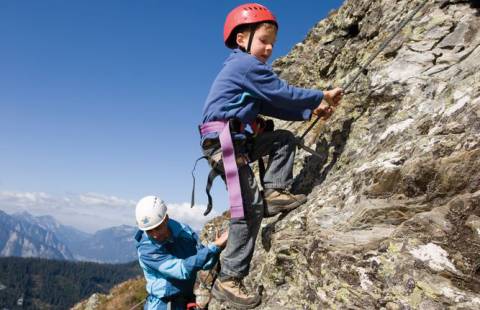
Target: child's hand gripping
{"points": [[331, 99]]}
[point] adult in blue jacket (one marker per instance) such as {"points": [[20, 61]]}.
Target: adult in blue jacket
{"points": [[170, 255], [245, 87]]}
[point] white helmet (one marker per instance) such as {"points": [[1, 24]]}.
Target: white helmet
{"points": [[150, 212]]}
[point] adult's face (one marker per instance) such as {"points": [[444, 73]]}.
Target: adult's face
{"points": [[161, 232]]}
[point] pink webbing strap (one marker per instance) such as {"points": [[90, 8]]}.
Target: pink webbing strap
{"points": [[229, 164]]}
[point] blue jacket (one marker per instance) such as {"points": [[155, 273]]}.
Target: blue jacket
{"points": [[170, 267], [246, 87]]}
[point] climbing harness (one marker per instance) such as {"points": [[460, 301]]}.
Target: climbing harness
{"points": [[367, 63], [222, 128], [225, 161]]}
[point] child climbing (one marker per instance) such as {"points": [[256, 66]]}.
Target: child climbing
{"points": [[245, 88]]}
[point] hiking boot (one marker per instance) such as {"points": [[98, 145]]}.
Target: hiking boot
{"points": [[282, 201], [233, 291]]}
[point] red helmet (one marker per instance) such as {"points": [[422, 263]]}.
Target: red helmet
{"points": [[250, 13]]}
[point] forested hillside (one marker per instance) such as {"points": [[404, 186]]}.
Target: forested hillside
{"points": [[51, 284]]}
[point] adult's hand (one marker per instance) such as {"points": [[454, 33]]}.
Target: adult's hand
{"points": [[221, 240]]}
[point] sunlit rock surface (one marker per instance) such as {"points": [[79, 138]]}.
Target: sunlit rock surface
{"points": [[393, 216]]}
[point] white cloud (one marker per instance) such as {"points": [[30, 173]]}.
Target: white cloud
{"points": [[94, 199], [191, 216], [25, 198], [92, 211]]}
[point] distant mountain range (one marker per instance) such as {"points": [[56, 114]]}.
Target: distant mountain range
{"points": [[25, 235]]}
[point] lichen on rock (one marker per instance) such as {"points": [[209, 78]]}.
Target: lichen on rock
{"points": [[392, 219]]}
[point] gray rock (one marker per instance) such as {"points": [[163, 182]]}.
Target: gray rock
{"points": [[392, 220], [473, 222], [92, 303]]}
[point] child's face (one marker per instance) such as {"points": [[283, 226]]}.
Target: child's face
{"points": [[263, 42]]}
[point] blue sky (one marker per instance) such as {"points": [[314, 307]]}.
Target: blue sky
{"points": [[103, 98]]}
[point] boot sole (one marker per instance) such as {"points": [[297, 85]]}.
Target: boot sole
{"points": [[219, 296]]}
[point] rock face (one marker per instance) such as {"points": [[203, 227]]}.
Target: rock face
{"points": [[393, 216], [127, 295]]}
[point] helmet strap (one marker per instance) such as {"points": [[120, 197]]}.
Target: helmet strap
{"points": [[253, 28]]}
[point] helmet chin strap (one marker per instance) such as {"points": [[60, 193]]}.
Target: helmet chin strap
{"points": [[253, 28]]}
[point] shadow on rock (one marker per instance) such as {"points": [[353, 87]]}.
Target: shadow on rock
{"points": [[268, 230], [475, 4], [315, 170]]}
